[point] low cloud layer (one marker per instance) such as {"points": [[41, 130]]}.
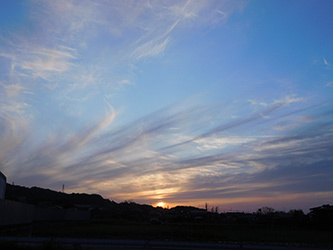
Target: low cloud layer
{"points": [[165, 155]]}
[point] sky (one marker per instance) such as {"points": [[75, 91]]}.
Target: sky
{"points": [[228, 103]]}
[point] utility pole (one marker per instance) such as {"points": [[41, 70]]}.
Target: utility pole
{"points": [[63, 188]]}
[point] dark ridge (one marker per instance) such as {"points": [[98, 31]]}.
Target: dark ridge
{"points": [[40, 196], [186, 208]]}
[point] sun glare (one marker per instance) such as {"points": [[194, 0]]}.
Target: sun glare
{"points": [[161, 204]]}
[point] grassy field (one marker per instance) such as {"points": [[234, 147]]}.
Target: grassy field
{"points": [[190, 232]]}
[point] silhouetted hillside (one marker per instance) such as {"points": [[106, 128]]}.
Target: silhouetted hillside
{"points": [[99, 207], [186, 209], [47, 197], [320, 217]]}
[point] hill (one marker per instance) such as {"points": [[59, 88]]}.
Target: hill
{"points": [[47, 197]]}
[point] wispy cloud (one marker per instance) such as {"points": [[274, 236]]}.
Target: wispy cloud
{"points": [[53, 54], [151, 48], [40, 62], [60, 86], [135, 161], [326, 63]]}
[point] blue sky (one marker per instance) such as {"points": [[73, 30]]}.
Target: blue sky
{"points": [[186, 102]]}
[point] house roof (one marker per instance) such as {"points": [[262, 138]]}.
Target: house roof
{"points": [[323, 207]]}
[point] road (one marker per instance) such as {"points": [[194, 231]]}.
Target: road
{"points": [[100, 244]]}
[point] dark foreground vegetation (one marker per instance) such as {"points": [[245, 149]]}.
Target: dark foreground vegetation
{"points": [[132, 221]]}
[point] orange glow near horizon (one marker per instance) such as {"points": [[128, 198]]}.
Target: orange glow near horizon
{"points": [[161, 204]]}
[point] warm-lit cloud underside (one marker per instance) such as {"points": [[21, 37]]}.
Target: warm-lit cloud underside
{"points": [[176, 157]]}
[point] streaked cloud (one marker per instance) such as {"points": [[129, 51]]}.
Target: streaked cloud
{"points": [[326, 63], [172, 100], [136, 161]]}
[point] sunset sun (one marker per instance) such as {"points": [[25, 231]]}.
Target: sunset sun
{"points": [[161, 204]]}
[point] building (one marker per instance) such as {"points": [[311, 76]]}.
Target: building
{"points": [[322, 216], [19, 216], [325, 208], [3, 182]]}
